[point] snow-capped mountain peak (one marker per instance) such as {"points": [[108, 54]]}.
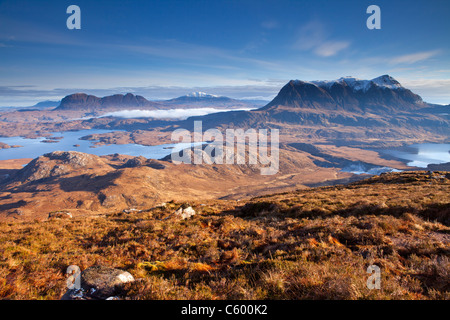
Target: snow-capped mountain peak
{"points": [[387, 81], [356, 84], [199, 94]]}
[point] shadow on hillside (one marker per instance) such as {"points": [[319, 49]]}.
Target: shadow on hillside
{"points": [[433, 212], [88, 183], [15, 205], [6, 173]]}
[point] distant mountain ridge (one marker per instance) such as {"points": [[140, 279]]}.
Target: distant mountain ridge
{"points": [[85, 102], [202, 99], [46, 104], [201, 95]]}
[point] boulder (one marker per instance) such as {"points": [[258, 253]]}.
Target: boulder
{"points": [[185, 212], [135, 162], [102, 282], [59, 215]]}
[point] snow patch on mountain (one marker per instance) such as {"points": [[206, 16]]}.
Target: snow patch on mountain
{"points": [[356, 84], [387, 82], [201, 95]]}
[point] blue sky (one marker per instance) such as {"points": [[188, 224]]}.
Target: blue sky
{"points": [[243, 49]]}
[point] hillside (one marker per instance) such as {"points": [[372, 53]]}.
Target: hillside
{"points": [[91, 103], [305, 244], [85, 184]]}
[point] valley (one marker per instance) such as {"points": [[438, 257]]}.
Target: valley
{"points": [[362, 180], [232, 158], [330, 132]]}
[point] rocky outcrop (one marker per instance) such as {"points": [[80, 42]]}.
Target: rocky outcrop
{"points": [[99, 282], [103, 282], [142, 161], [135, 162], [56, 164], [185, 211], [59, 215]]}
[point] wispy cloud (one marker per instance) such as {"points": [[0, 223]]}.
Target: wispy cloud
{"points": [[270, 24], [414, 57], [431, 90], [314, 37], [182, 51], [331, 48], [29, 95]]}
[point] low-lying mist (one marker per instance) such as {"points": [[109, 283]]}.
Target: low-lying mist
{"points": [[165, 114]]}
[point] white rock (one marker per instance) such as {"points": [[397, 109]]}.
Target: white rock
{"points": [[185, 213]]}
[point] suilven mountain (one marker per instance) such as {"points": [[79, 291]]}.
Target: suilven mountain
{"points": [[85, 102]]}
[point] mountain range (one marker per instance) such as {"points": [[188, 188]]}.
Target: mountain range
{"points": [[342, 111], [297, 101], [307, 232], [324, 127], [202, 99], [90, 103], [349, 102]]}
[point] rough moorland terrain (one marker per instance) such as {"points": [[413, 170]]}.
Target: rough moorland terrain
{"points": [[85, 184], [308, 244]]}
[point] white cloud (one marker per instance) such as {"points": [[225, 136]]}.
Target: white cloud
{"points": [[310, 36], [431, 90], [166, 114], [314, 37], [331, 48], [414, 57]]}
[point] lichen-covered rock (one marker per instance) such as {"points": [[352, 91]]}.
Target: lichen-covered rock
{"points": [[103, 282], [110, 200], [59, 215], [185, 213], [142, 161]]}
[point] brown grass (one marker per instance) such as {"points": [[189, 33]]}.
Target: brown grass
{"points": [[310, 244]]}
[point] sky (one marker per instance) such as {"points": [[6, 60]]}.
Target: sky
{"points": [[237, 48]]}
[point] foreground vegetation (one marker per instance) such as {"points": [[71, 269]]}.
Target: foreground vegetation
{"points": [[309, 244]]}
